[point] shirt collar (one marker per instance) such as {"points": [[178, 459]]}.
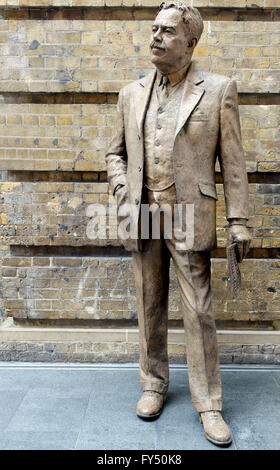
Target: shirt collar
{"points": [[175, 77]]}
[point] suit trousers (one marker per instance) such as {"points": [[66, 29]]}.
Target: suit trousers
{"points": [[151, 271]]}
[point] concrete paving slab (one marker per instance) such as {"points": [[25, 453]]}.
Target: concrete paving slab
{"points": [[253, 433], [276, 377], [49, 409], [244, 381], [125, 434], [66, 406], [9, 403], [259, 404], [23, 440]]}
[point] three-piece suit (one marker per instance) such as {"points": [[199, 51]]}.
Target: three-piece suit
{"points": [[163, 151]]}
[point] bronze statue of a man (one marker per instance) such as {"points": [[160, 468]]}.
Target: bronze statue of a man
{"points": [[171, 127]]}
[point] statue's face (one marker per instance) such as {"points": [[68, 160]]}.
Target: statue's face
{"points": [[170, 43]]}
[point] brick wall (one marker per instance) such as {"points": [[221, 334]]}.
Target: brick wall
{"points": [[62, 65], [102, 288], [53, 213], [78, 56], [69, 137]]}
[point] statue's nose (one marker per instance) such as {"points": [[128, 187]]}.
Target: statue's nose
{"points": [[157, 35]]}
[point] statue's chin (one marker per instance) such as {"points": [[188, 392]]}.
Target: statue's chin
{"points": [[157, 62], [154, 59]]}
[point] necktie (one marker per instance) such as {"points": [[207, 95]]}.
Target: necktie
{"points": [[164, 89]]}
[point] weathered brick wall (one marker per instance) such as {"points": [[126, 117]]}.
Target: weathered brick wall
{"points": [[62, 65], [137, 3], [79, 55], [69, 137], [102, 288], [48, 213]]}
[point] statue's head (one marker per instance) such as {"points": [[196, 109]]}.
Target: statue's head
{"points": [[175, 33]]}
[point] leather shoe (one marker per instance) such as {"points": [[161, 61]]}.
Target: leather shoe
{"points": [[150, 404], [215, 428]]}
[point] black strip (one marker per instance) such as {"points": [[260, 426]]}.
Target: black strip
{"points": [[59, 98], [111, 98], [54, 176], [262, 178], [266, 178], [78, 323], [117, 251], [242, 325], [133, 13], [108, 323], [254, 253], [74, 251], [259, 98]]}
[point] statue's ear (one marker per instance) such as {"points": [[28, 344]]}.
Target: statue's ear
{"points": [[192, 43]]}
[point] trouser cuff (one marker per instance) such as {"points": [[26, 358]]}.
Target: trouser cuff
{"points": [[208, 405], [154, 386]]}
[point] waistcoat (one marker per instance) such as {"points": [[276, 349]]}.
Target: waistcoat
{"points": [[159, 131]]}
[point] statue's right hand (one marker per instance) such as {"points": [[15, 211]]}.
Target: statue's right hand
{"points": [[121, 195]]}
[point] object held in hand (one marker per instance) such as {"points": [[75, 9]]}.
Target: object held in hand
{"points": [[233, 269]]}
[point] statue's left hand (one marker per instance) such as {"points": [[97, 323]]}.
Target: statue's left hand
{"points": [[241, 235]]}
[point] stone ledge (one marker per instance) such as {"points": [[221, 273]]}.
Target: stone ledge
{"points": [[10, 332], [135, 3], [84, 345]]}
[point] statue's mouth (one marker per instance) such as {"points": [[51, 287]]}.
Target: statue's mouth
{"points": [[154, 46], [157, 50]]}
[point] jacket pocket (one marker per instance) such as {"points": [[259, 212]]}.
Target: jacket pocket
{"points": [[197, 117], [208, 189]]}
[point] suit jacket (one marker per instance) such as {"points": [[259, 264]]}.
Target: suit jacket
{"points": [[208, 128]]}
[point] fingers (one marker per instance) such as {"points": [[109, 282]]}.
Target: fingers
{"points": [[241, 236], [247, 248], [230, 237], [121, 195], [240, 251]]}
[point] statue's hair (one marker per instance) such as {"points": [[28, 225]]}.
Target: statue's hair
{"points": [[190, 16]]}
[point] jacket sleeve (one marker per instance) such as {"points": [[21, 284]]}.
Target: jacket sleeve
{"points": [[116, 156], [231, 155]]}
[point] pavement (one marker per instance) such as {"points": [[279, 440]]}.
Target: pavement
{"points": [[90, 406]]}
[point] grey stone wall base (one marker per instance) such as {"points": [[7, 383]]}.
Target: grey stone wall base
{"points": [[120, 345], [112, 353]]}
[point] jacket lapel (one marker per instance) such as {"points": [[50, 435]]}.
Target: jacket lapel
{"points": [[192, 93], [142, 98]]}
